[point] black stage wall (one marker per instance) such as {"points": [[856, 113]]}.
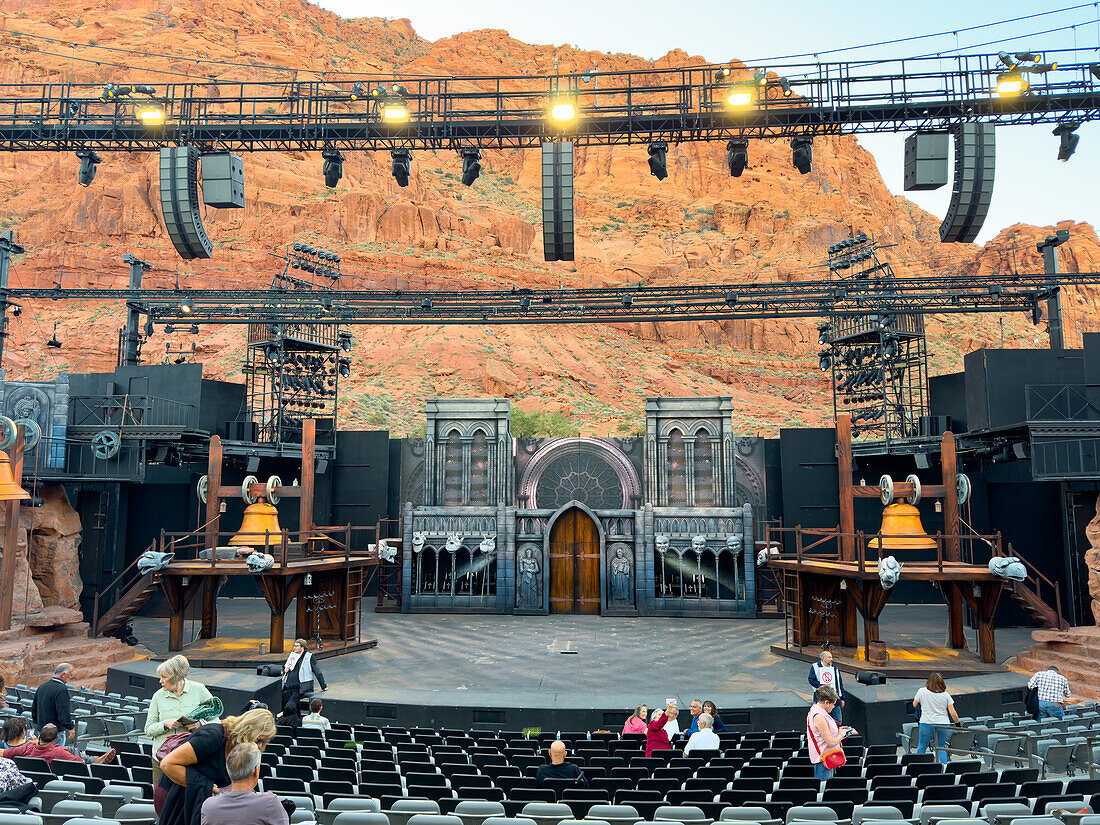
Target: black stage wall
{"points": [[996, 381], [233, 687]]}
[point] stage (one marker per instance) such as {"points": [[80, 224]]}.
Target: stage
{"points": [[572, 672]]}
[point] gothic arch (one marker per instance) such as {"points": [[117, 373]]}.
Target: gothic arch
{"points": [[628, 477]]}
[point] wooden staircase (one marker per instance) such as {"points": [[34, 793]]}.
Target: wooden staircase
{"points": [[129, 603], [1037, 596]]}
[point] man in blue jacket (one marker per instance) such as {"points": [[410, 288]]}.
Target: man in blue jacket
{"points": [[824, 672]]}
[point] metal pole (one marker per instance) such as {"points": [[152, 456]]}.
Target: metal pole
{"points": [[7, 246], [1049, 248], [131, 343]]}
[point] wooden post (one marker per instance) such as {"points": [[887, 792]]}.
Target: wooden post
{"points": [[309, 440], [279, 592], [955, 636], [11, 535], [849, 616], [173, 594], [209, 625]]}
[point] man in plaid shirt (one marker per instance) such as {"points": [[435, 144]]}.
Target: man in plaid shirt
{"points": [[1052, 689]]}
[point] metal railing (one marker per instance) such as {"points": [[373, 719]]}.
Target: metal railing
{"points": [[1027, 754], [124, 411]]}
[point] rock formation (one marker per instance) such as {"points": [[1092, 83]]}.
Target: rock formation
{"points": [[1092, 561]]}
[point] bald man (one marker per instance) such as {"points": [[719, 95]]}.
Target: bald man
{"points": [[559, 768]]}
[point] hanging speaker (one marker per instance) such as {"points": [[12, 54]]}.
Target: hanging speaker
{"points": [[975, 164], [557, 200], [179, 201]]}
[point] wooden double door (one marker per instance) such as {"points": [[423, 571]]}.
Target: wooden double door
{"points": [[574, 564]]}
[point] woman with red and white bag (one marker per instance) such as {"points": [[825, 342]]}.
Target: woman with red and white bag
{"points": [[823, 734]]}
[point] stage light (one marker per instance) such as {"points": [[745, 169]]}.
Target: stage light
{"points": [[1010, 84], [890, 349], [563, 111], [426, 303], [824, 333], [1069, 139], [802, 154], [1008, 60], [760, 78], [731, 299], [187, 306], [1042, 68], [345, 341], [356, 90], [720, 75], [471, 165], [785, 85], [825, 361], [525, 302], [333, 167], [89, 162], [345, 367], [737, 156], [395, 111], [658, 160], [326, 305], [739, 96], [402, 166], [112, 91], [53, 342], [628, 301], [152, 113]]}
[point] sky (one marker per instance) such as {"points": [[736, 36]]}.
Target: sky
{"points": [[1032, 186]]}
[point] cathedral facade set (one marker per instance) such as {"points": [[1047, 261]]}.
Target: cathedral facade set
{"points": [[660, 525]]}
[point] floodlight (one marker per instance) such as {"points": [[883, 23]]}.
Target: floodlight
{"points": [[89, 161], [737, 156], [187, 306], [1008, 60], [658, 160], [471, 165], [333, 167], [760, 78], [825, 361], [356, 90], [1069, 139], [785, 85], [1010, 84], [739, 96], [395, 111], [802, 154], [402, 166], [151, 113], [563, 111]]}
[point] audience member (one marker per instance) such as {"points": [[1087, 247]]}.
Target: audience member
{"points": [[937, 709], [719, 725], [823, 673], [241, 803], [14, 732], [51, 703], [825, 732], [637, 722], [299, 672], [657, 734], [704, 738], [672, 724], [15, 789], [45, 747], [177, 698], [559, 768], [291, 717], [314, 719], [1053, 690], [195, 768], [253, 704], [695, 708]]}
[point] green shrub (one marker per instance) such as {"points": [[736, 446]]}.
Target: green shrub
{"points": [[539, 424]]}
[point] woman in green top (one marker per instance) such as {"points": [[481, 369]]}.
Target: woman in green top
{"points": [[178, 696]]}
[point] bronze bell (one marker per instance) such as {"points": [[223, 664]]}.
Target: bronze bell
{"points": [[259, 518], [901, 530], [9, 487]]}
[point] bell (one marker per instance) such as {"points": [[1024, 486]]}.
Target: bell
{"points": [[9, 487], [259, 518], [901, 530]]}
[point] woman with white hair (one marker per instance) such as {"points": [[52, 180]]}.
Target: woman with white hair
{"points": [[178, 696]]}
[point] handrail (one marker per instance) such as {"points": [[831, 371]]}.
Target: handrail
{"points": [[94, 629], [1034, 572]]}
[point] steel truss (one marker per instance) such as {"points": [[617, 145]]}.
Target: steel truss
{"points": [[718, 302], [674, 105]]}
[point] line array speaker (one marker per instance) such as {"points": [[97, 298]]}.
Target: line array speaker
{"points": [[975, 164], [557, 200], [179, 201]]}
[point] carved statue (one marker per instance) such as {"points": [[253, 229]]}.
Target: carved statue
{"points": [[662, 544], [889, 571], [454, 541], [530, 580], [258, 562], [765, 554], [418, 540], [735, 544], [1008, 568], [488, 545], [621, 565], [151, 561], [698, 543], [386, 552]]}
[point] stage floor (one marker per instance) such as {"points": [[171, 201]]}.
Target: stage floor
{"points": [[571, 661]]}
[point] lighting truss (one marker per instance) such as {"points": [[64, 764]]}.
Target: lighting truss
{"points": [[671, 105], [807, 299]]}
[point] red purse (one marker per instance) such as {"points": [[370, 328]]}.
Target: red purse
{"points": [[834, 757]]}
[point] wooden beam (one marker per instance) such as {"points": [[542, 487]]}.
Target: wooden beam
{"points": [[844, 476], [11, 535], [955, 637], [309, 441], [213, 490]]}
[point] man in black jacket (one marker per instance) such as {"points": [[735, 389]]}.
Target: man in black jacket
{"points": [[559, 768], [51, 703]]}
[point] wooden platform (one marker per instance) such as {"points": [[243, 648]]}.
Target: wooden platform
{"points": [[234, 567], [920, 570], [905, 662], [244, 652]]}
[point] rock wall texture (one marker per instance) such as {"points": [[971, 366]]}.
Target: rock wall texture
{"points": [[47, 563], [1092, 561]]}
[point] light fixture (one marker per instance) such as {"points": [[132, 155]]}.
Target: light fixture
{"points": [[1011, 83], [471, 165], [760, 78], [402, 166], [326, 305], [720, 75], [1067, 132], [739, 96], [1008, 60], [802, 154], [395, 111], [333, 166], [53, 342], [148, 329], [824, 333], [785, 85], [345, 367], [563, 110], [731, 299], [89, 161], [825, 360], [169, 329], [426, 303], [356, 90], [187, 306], [112, 91], [737, 156], [194, 329], [151, 113], [658, 160], [345, 341]]}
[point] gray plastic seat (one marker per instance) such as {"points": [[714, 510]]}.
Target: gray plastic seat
{"points": [[433, 819], [1064, 805], [20, 819], [58, 789], [804, 813], [326, 816], [614, 813], [136, 810], [546, 813], [930, 814], [476, 811], [403, 809], [1056, 758], [1004, 811], [364, 818], [77, 807], [862, 813], [681, 813], [508, 820], [747, 813]]}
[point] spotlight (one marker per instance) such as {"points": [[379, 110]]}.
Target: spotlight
{"points": [[395, 111], [326, 305], [345, 367], [824, 333], [739, 96], [1069, 139], [802, 154], [356, 90], [1008, 60], [890, 349], [345, 341], [737, 156], [148, 329], [628, 301], [187, 306], [720, 75], [112, 91], [471, 165], [151, 113], [169, 329], [89, 161], [563, 110], [333, 167], [1010, 84], [760, 78], [731, 299], [658, 160], [402, 166], [525, 302], [825, 361], [785, 85], [53, 342], [194, 329], [426, 303]]}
